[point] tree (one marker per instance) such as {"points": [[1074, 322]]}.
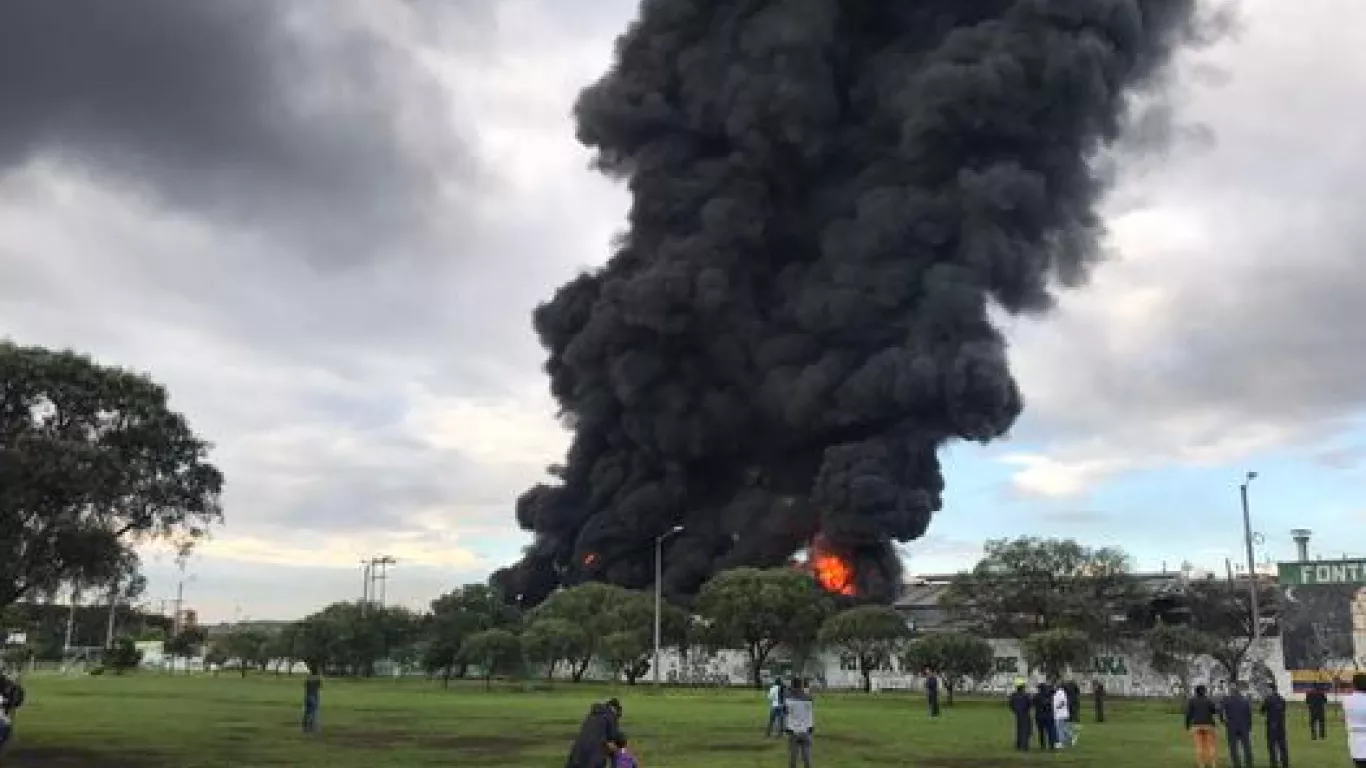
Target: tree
{"points": [[122, 655], [493, 650], [185, 643], [1223, 611], [455, 616], [872, 634], [594, 607], [92, 462], [1032, 585], [955, 656], [282, 648], [248, 646], [550, 641], [626, 653], [759, 610], [1056, 650], [1174, 650]]}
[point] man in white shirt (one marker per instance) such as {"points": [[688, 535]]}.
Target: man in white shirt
{"points": [[1062, 717], [1354, 715], [776, 709], [801, 722]]}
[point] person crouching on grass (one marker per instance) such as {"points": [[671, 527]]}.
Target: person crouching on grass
{"points": [[800, 724], [621, 755]]}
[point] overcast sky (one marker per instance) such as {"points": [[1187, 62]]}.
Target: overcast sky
{"points": [[323, 224]]}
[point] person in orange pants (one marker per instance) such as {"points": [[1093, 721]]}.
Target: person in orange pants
{"points": [[1201, 717]]}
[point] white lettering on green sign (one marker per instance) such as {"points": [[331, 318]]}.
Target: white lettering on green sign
{"points": [[1323, 572]]}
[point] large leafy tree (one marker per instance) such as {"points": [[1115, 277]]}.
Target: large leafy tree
{"points": [[955, 656], [348, 638], [551, 641], [494, 651], [1173, 650], [455, 616], [871, 634], [1222, 611], [595, 608], [1032, 585], [92, 461], [249, 647], [1055, 651], [760, 610]]}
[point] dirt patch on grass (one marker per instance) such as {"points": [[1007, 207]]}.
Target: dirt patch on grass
{"points": [[469, 746], [61, 757]]}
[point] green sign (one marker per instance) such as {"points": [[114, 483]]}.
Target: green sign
{"points": [[1322, 572]]}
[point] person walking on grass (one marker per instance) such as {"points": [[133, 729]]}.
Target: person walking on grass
{"points": [[1354, 718], [1316, 701], [1273, 709], [313, 693], [777, 706], [1201, 714], [1237, 716], [800, 724], [1098, 693], [1022, 706]]}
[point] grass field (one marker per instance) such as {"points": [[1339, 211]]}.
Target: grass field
{"points": [[157, 721]]}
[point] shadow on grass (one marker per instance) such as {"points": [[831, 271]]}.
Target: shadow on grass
{"points": [[61, 757]]}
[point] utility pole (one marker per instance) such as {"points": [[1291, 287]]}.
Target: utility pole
{"points": [[71, 621], [379, 573], [1254, 593], [364, 585], [114, 593], [659, 592]]}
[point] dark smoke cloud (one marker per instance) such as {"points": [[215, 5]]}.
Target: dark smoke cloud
{"points": [[300, 119], [827, 198]]}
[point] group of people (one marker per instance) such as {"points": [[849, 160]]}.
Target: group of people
{"points": [[1054, 711], [11, 699], [791, 714], [601, 742], [1235, 712]]}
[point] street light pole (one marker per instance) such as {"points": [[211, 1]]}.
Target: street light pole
{"points": [[659, 591], [1251, 561]]}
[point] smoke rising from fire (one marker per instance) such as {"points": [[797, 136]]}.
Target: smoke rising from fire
{"points": [[827, 198]]}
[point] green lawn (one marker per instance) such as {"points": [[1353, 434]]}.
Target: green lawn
{"points": [[158, 721]]}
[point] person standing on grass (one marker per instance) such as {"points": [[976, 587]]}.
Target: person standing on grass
{"points": [[1098, 693], [800, 724], [1043, 717], [932, 691], [1022, 706], [1062, 719], [1201, 714], [1354, 717], [1237, 716], [777, 705], [1273, 709], [1073, 703], [313, 693], [1317, 703]]}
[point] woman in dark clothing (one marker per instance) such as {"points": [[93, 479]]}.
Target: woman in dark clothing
{"points": [[1043, 717]]}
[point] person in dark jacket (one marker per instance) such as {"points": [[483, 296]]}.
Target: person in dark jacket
{"points": [[1273, 708], [932, 691], [1073, 692], [1023, 706], [1237, 715], [1043, 717], [597, 738], [1098, 693], [1201, 717], [1317, 703], [12, 694]]}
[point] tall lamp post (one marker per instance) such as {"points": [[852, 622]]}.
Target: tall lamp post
{"points": [[1251, 561], [659, 590]]}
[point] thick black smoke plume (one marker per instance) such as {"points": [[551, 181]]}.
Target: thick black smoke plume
{"points": [[828, 195]]}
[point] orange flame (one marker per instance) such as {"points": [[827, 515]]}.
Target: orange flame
{"points": [[832, 571], [590, 559]]}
